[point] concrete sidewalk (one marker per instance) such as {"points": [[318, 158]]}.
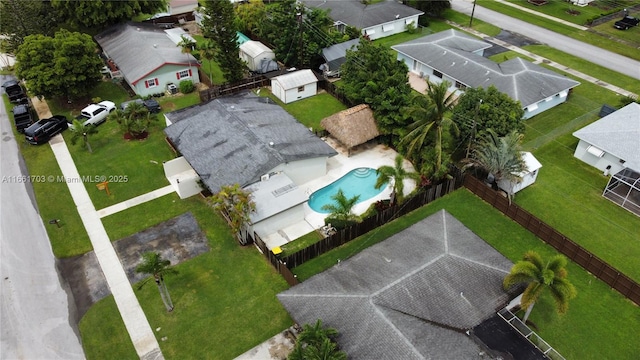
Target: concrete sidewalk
{"points": [[133, 317]]}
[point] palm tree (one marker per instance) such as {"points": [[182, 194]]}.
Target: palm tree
{"points": [[341, 209], [153, 264], [539, 276], [429, 112], [82, 132], [236, 205], [317, 342], [188, 46], [134, 120], [397, 174], [500, 156], [208, 51]]}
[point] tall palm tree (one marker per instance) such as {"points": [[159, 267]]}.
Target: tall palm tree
{"points": [[428, 112], [82, 132], [342, 207], [208, 50], [500, 156], [153, 264], [539, 276], [397, 174], [188, 46], [236, 205]]}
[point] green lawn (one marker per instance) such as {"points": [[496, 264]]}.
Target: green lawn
{"points": [[597, 313], [224, 299], [300, 243], [309, 111], [579, 15], [210, 67]]}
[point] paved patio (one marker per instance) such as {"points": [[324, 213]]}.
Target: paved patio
{"points": [[370, 155]]}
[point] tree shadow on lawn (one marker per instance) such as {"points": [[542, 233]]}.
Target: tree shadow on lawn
{"points": [[178, 239]]}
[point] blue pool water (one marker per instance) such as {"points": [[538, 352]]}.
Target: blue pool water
{"points": [[360, 181]]}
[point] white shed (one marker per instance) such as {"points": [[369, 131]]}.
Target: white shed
{"points": [[252, 52], [294, 85], [528, 176]]}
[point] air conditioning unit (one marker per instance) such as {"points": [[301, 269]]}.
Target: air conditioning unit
{"points": [[172, 89], [264, 177]]}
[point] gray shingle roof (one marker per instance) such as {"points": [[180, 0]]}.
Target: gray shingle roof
{"points": [[139, 49], [411, 296], [451, 55], [361, 16], [618, 134], [336, 55], [227, 140]]}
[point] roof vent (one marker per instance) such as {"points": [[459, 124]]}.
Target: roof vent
{"points": [[155, 45], [264, 177], [271, 143], [397, 16], [138, 29], [453, 63]]}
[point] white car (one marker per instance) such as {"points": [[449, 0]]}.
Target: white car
{"points": [[95, 114]]}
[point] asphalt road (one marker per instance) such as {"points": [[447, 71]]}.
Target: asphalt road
{"points": [[571, 46], [36, 320]]}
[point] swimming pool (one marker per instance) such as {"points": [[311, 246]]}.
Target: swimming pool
{"points": [[360, 181]]}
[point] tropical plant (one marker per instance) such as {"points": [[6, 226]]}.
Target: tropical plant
{"points": [[208, 51], [342, 207], [80, 131], [317, 342], [99, 14], [154, 265], [540, 276], [499, 156], [134, 120], [396, 174], [428, 114], [236, 205], [187, 46]]}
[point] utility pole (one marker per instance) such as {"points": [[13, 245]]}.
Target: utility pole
{"points": [[299, 15], [472, 11]]}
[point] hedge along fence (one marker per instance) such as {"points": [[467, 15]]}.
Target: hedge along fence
{"points": [[347, 234], [600, 269]]}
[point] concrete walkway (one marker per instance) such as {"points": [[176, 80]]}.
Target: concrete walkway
{"points": [[525, 9], [133, 317], [136, 201]]}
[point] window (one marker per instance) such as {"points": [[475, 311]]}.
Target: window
{"points": [[437, 73], [461, 86], [301, 89], [387, 27], [409, 21], [186, 73], [370, 31], [532, 107], [622, 161], [149, 83], [595, 151]]}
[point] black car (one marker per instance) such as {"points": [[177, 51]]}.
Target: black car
{"points": [[626, 23], [42, 131], [23, 116], [14, 90]]}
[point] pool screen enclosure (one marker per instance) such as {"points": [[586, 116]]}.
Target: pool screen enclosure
{"points": [[624, 189]]}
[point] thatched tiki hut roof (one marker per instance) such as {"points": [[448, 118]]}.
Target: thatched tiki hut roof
{"points": [[353, 126]]}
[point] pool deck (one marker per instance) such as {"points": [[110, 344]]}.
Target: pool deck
{"points": [[369, 155]]}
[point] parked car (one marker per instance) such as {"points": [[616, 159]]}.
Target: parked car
{"points": [[626, 23], [95, 114], [151, 104], [14, 90], [43, 130], [23, 116]]}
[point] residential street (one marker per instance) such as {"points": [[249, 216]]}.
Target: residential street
{"points": [[577, 48], [36, 318]]}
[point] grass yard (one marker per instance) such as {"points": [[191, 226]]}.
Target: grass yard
{"points": [[309, 111], [224, 299], [210, 67], [132, 167], [597, 313], [300, 243], [105, 90]]}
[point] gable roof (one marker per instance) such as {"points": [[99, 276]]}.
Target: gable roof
{"points": [[352, 126], [618, 134], [361, 16], [237, 139], [296, 79], [139, 49], [520, 79], [336, 55], [411, 296]]}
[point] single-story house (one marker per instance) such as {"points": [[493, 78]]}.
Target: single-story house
{"points": [[353, 126], [456, 57], [376, 21], [245, 139], [148, 57], [527, 177], [256, 55], [336, 55], [612, 145], [419, 294], [295, 85]]}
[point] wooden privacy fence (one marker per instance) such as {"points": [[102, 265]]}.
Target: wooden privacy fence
{"points": [[600, 269], [221, 90], [349, 233], [275, 261]]}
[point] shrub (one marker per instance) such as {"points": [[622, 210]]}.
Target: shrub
{"points": [[186, 86]]}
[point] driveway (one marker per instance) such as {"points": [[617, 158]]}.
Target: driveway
{"points": [[596, 55]]}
